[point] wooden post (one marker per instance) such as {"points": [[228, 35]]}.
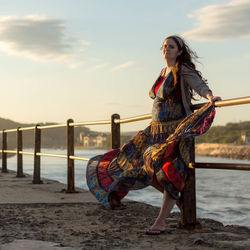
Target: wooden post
{"points": [[115, 132], [19, 137], [188, 196], [70, 162], [37, 161], [4, 155]]}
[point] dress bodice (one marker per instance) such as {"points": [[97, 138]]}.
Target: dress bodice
{"points": [[167, 109]]}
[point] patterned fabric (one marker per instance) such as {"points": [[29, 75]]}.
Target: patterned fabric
{"points": [[158, 85], [162, 149]]}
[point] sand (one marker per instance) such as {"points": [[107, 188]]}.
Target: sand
{"points": [[77, 221]]}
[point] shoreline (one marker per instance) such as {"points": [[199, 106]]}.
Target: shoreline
{"points": [[220, 150], [230, 151], [45, 213]]}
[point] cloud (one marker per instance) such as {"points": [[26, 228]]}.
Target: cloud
{"points": [[76, 65], [122, 66], [220, 22], [100, 66], [37, 37], [85, 43]]}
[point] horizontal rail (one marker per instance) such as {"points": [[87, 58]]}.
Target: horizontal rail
{"points": [[15, 152], [52, 155], [27, 128], [204, 165], [78, 158], [223, 103], [72, 157], [228, 102], [232, 102], [26, 153], [10, 130], [89, 123], [226, 166], [52, 126], [57, 126], [9, 151], [133, 119]]}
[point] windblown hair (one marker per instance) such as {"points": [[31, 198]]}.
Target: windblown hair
{"points": [[185, 58]]}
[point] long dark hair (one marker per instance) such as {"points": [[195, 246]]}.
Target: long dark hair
{"points": [[185, 58]]}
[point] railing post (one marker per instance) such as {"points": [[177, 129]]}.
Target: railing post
{"points": [[188, 196], [4, 155], [70, 162], [37, 160], [19, 147], [115, 132]]}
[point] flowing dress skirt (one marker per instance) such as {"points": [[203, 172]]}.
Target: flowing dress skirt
{"points": [[163, 151]]}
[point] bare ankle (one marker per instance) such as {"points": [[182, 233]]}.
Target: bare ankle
{"points": [[160, 223]]}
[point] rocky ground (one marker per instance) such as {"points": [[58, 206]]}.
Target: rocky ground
{"points": [[44, 216], [91, 226]]}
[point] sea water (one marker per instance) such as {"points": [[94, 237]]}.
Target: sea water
{"points": [[222, 195]]}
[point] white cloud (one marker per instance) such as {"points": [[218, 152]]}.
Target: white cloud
{"points": [[76, 65], [122, 66], [37, 37], [220, 22], [100, 66], [85, 43]]}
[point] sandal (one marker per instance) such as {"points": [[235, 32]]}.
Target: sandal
{"points": [[151, 231]]}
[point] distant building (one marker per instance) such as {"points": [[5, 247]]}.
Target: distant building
{"points": [[100, 141], [93, 141], [246, 138], [86, 141]]}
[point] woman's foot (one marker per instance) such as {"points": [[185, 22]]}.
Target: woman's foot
{"points": [[114, 202], [156, 229]]}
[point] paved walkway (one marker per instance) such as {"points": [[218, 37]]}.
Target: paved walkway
{"points": [[15, 190]]}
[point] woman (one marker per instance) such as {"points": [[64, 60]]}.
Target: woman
{"points": [[158, 155]]}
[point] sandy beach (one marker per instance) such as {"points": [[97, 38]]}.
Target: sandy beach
{"points": [[45, 217]]}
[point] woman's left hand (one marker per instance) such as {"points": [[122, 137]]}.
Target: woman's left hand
{"points": [[212, 99]]}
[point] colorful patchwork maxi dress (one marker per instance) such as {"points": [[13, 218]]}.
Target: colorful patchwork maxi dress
{"points": [[161, 150]]}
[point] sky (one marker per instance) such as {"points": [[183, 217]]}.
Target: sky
{"points": [[89, 59]]}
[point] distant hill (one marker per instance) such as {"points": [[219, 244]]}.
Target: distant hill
{"points": [[227, 134], [51, 138], [230, 133]]}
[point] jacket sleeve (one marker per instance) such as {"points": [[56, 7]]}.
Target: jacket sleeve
{"points": [[193, 80]]}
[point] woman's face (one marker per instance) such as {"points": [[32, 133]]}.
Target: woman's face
{"points": [[170, 50]]}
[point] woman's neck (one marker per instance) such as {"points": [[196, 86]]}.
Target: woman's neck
{"points": [[170, 65]]}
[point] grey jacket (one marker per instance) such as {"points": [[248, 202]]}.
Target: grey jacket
{"points": [[190, 79]]}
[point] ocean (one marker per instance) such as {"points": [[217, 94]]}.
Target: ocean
{"points": [[222, 195]]}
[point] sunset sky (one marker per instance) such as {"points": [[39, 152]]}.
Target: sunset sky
{"points": [[88, 59]]}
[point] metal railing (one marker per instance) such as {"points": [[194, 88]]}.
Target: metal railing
{"points": [[188, 211]]}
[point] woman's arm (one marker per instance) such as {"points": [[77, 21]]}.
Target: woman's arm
{"points": [[194, 81]]}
